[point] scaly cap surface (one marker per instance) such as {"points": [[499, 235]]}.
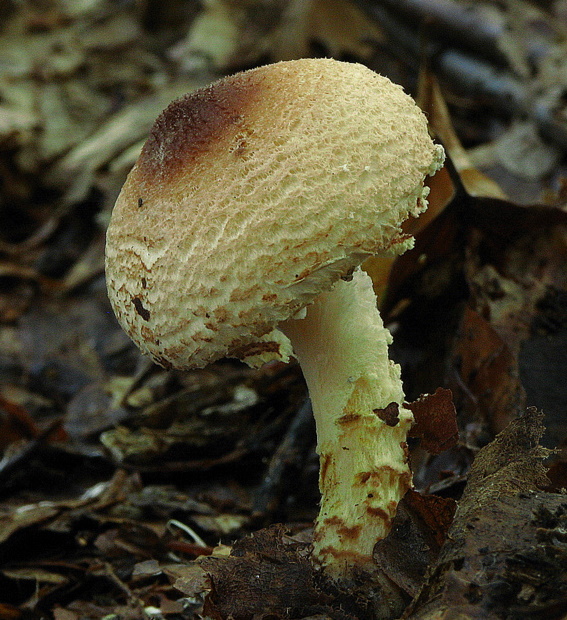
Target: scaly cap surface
{"points": [[253, 195]]}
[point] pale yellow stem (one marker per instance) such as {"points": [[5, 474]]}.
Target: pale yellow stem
{"points": [[357, 396]]}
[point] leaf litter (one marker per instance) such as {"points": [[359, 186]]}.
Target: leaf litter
{"points": [[131, 492]]}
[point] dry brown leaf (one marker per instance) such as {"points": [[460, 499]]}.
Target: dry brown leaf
{"points": [[435, 421], [432, 102], [487, 383]]}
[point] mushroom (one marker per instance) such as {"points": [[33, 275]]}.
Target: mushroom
{"points": [[240, 232]]}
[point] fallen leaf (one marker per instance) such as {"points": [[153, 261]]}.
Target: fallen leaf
{"points": [[487, 383], [418, 532], [435, 421]]}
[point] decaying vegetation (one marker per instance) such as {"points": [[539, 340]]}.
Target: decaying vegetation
{"points": [[130, 491]]}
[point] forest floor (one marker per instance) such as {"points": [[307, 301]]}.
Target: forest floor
{"points": [[129, 491]]}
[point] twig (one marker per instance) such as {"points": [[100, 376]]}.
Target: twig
{"points": [[451, 59], [288, 456], [172, 523], [454, 23]]}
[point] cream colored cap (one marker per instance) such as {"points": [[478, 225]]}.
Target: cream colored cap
{"points": [[253, 195]]}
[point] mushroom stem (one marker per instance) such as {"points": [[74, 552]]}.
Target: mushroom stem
{"points": [[356, 394]]}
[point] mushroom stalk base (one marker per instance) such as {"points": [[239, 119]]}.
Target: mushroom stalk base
{"points": [[356, 394]]}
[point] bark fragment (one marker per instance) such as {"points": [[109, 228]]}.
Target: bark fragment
{"points": [[482, 571]]}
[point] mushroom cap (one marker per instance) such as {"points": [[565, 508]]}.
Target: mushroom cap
{"points": [[253, 195]]}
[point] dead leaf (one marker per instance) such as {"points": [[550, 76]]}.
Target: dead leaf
{"points": [[487, 381], [343, 28], [435, 421], [418, 532], [432, 102], [231, 34], [26, 516]]}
